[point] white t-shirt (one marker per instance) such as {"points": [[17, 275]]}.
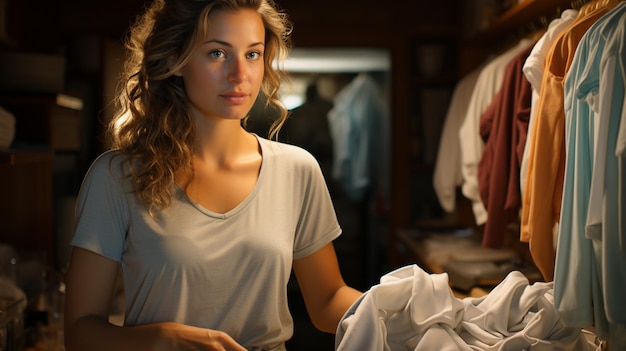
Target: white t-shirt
{"points": [[228, 271]]}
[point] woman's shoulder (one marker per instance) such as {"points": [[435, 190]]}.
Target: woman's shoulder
{"points": [[282, 148], [107, 164], [286, 152], [106, 175]]}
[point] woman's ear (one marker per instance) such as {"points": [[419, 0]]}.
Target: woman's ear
{"points": [[171, 62]]}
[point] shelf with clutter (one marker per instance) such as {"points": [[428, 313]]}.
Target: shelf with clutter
{"points": [[40, 127]]}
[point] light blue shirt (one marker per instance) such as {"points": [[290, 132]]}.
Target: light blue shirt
{"points": [[589, 276], [357, 126]]}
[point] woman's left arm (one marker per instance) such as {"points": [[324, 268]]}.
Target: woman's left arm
{"points": [[325, 293]]}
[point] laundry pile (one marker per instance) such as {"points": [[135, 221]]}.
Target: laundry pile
{"points": [[411, 309]]}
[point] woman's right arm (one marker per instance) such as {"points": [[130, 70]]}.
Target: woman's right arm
{"points": [[90, 284]]}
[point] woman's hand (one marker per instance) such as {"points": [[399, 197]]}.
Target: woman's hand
{"points": [[180, 337]]}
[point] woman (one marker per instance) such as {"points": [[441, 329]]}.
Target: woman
{"points": [[205, 219]]}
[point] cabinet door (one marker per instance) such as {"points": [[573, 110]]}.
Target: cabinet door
{"points": [[26, 201]]}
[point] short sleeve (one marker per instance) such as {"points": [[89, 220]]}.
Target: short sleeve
{"points": [[102, 214], [317, 223]]}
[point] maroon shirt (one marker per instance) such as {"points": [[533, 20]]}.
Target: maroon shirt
{"points": [[503, 128]]}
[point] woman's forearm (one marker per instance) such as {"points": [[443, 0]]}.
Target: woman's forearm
{"points": [[329, 317], [96, 334], [93, 333]]}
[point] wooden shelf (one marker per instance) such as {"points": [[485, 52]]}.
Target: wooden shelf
{"points": [[459, 253], [14, 158], [519, 16]]}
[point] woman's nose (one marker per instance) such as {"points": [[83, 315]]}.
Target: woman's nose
{"points": [[237, 70]]}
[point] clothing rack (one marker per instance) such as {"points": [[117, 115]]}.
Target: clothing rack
{"points": [[577, 4]]}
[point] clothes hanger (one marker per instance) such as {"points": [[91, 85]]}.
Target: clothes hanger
{"points": [[610, 4], [588, 7]]}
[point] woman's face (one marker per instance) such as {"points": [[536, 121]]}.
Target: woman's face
{"points": [[224, 74]]}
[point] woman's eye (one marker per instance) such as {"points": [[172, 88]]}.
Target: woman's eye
{"points": [[254, 55], [216, 54]]}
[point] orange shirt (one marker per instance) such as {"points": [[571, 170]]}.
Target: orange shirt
{"points": [[541, 205]]}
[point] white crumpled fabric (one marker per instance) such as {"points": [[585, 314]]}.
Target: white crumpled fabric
{"points": [[413, 310]]}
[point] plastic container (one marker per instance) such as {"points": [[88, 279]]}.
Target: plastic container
{"points": [[11, 324]]}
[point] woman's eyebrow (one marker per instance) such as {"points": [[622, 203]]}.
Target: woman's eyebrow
{"points": [[225, 43]]}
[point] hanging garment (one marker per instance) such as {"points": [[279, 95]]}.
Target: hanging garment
{"points": [[590, 280], [533, 70], [541, 205], [447, 174], [487, 85], [355, 121], [503, 128], [605, 186], [413, 310]]}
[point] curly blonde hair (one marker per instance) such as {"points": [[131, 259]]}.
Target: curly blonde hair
{"points": [[152, 126]]}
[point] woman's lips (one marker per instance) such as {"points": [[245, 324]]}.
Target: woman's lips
{"points": [[235, 98]]}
